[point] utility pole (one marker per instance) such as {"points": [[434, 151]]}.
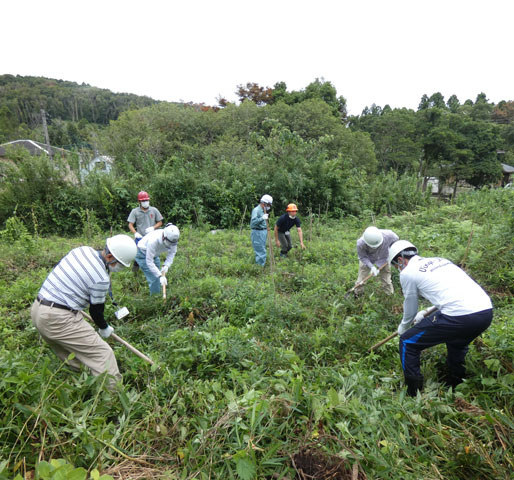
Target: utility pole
{"points": [[45, 129]]}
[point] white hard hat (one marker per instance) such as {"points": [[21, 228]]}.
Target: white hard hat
{"points": [[267, 199], [373, 237], [398, 247], [122, 248], [171, 233]]}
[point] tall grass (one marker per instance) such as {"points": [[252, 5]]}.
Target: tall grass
{"points": [[257, 373]]}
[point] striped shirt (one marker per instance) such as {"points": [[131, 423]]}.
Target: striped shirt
{"points": [[79, 279]]}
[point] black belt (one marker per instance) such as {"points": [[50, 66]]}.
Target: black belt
{"points": [[259, 229], [48, 303]]}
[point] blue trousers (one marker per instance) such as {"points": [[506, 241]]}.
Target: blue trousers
{"points": [[457, 332], [153, 282], [259, 245]]}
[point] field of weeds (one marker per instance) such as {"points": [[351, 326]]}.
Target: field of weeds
{"points": [[264, 373]]}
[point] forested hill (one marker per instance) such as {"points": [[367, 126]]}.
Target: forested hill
{"points": [[22, 98]]}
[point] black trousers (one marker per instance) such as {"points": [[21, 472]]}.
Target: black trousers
{"points": [[457, 332]]}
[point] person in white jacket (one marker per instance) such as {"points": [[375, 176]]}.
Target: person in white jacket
{"points": [[148, 250], [463, 312]]}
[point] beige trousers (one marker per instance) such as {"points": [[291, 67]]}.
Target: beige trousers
{"points": [[67, 332], [384, 275]]}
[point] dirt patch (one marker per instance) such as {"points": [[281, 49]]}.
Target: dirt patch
{"points": [[310, 463]]}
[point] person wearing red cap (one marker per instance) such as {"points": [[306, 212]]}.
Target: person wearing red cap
{"points": [[143, 219]]}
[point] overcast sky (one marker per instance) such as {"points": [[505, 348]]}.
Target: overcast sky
{"points": [[373, 51]]}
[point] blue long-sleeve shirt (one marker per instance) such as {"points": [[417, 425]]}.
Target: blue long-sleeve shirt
{"points": [[257, 222]]}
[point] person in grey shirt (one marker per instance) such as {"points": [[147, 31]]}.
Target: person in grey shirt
{"points": [[372, 250], [143, 219]]}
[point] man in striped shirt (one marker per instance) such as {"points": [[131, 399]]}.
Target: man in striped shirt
{"points": [[79, 280]]}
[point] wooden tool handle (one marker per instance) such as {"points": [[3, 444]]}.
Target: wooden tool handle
{"points": [[385, 340], [123, 342]]}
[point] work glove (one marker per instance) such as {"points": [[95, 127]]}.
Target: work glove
{"points": [[137, 235], [265, 216], [419, 316], [149, 229], [374, 270], [164, 270], [403, 327], [163, 281], [106, 332]]}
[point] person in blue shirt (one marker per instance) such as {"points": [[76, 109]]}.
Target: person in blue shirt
{"points": [[282, 227], [259, 226]]}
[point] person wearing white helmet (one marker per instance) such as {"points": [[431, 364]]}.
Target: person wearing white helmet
{"points": [[463, 312], [259, 226], [163, 240], [372, 249], [79, 280]]}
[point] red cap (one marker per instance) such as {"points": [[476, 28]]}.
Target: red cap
{"points": [[142, 196]]}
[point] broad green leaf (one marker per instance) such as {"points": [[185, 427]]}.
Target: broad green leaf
{"points": [[77, 474], [317, 409], [489, 381], [43, 469], [245, 468], [333, 398], [492, 364]]}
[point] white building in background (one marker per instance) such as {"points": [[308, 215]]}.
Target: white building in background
{"points": [[84, 160], [99, 164]]}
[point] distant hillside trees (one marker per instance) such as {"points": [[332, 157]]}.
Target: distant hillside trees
{"points": [[319, 89], [209, 165], [446, 140], [22, 98]]}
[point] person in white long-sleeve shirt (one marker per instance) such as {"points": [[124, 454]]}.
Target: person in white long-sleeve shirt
{"points": [[372, 250], [149, 248], [464, 311]]}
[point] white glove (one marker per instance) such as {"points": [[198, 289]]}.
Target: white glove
{"points": [[163, 281], [164, 270], [374, 270], [265, 216], [419, 316], [106, 332], [403, 327], [137, 235], [149, 229]]}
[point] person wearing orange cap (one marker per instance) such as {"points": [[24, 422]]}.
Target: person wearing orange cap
{"points": [[282, 227]]}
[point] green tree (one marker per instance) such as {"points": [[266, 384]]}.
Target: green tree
{"points": [[394, 135], [318, 89], [482, 108]]}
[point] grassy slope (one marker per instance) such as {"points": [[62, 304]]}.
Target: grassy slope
{"points": [[253, 367]]}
